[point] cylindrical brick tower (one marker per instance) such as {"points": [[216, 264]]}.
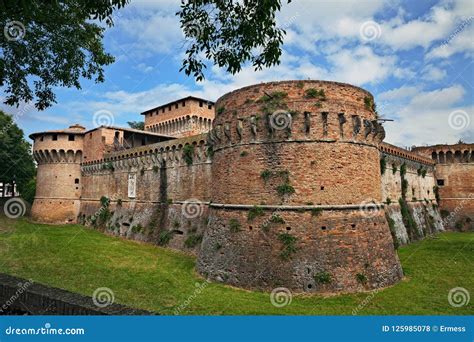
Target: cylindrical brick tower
{"points": [[58, 179], [296, 190]]}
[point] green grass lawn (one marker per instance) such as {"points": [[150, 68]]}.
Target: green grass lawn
{"points": [[144, 276]]}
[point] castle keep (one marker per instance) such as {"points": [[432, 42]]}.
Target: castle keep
{"points": [[276, 184]]}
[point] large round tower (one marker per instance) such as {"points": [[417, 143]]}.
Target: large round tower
{"points": [[296, 190], [58, 179]]}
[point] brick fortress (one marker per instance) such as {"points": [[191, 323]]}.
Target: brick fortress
{"points": [[277, 184]]}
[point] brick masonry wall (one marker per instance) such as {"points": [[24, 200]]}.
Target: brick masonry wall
{"points": [[455, 167], [171, 196], [58, 179], [328, 153]]}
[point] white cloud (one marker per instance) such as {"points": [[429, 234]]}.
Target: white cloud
{"points": [[424, 118], [432, 73]]}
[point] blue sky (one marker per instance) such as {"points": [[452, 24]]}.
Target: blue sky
{"points": [[416, 57]]}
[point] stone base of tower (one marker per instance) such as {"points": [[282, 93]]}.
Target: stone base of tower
{"points": [[342, 250], [57, 211]]}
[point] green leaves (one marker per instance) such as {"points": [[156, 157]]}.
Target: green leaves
{"points": [[58, 45], [230, 33]]}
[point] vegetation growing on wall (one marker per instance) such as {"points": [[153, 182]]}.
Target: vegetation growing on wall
{"points": [[408, 220], [234, 225], [391, 225], [436, 192], [394, 168], [273, 102], [289, 245], [254, 212], [383, 165], [313, 93], [192, 240], [322, 277], [165, 237], [188, 153]]}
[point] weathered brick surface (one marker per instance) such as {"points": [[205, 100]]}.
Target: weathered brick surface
{"points": [[454, 166], [326, 162]]}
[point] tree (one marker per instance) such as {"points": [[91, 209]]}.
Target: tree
{"points": [[230, 33], [137, 125], [52, 43], [16, 161]]}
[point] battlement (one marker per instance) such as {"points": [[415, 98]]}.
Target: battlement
{"points": [[447, 154], [405, 154], [181, 118]]}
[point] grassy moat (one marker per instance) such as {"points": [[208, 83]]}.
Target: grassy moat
{"points": [[81, 260]]}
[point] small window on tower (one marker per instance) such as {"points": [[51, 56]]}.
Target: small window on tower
{"points": [[209, 106], [71, 137], [440, 182], [41, 138], [200, 103], [184, 103], [55, 137], [176, 105], [76, 181]]}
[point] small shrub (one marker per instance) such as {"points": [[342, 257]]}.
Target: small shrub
{"points": [[220, 110], [316, 211], [104, 201], [217, 246], [188, 153], [155, 168], [419, 170], [265, 174], [169, 201], [403, 170], [137, 229], [119, 202], [318, 105], [289, 245], [394, 168], [234, 225], [404, 187], [322, 277], [388, 201], [192, 241], [164, 237], [248, 101], [423, 173], [176, 224], [142, 171], [254, 212], [391, 225], [285, 189], [312, 93], [436, 192], [275, 218], [444, 213], [361, 278], [383, 165], [243, 153], [300, 84]]}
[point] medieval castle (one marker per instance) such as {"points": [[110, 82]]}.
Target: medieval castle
{"points": [[277, 184]]}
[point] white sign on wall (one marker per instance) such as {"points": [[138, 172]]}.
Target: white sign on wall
{"points": [[132, 185]]}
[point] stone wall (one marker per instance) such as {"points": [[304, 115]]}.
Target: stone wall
{"points": [[414, 214], [171, 196], [455, 176]]}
